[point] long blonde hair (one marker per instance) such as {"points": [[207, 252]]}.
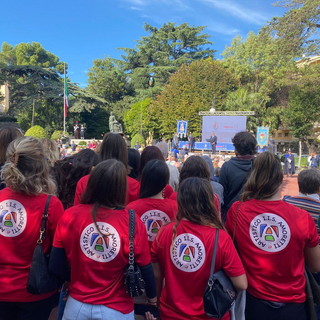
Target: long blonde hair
{"points": [[26, 168]]}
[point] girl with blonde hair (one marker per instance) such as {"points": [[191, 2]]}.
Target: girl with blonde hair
{"points": [[26, 174]]}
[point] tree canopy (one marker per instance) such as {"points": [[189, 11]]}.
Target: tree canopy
{"points": [[298, 29], [190, 90], [163, 51], [29, 54]]}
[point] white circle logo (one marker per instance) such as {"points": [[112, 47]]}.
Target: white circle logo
{"points": [[187, 252], [97, 247], [154, 220], [269, 232], [13, 218]]}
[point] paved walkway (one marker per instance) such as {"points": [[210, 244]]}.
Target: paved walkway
{"points": [[290, 186]]}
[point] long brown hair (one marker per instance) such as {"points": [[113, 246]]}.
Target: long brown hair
{"points": [[114, 146], [196, 204], [195, 166], [7, 134], [265, 178], [106, 187]]}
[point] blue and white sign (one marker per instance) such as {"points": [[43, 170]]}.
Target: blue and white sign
{"points": [[262, 136], [182, 128]]}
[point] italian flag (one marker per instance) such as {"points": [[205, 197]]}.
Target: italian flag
{"points": [[66, 103]]}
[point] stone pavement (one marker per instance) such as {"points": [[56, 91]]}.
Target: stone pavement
{"points": [[290, 186]]}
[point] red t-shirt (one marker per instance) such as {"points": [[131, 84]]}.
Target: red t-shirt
{"points": [[271, 237], [167, 191], [133, 189], [20, 219], [98, 263], [174, 196], [185, 264], [154, 213]]}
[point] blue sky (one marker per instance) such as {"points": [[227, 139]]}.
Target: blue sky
{"points": [[80, 31]]}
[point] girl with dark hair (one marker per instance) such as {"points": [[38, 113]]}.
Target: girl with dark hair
{"points": [[22, 203], [7, 134], [70, 170], [154, 153], [97, 249], [153, 209], [182, 253], [113, 147], [150, 153], [275, 240], [134, 162], [196, 166]]}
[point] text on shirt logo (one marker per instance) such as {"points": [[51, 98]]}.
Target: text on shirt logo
{"points": [[153, 221], [101, 248], [13, 218], [187, 252], [269, 232]]}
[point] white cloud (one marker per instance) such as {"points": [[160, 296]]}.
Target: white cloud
{"points": [[222, 29], [138, 2], [135, 8], [173, 4], [236, 10]]}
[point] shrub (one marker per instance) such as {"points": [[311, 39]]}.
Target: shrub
{"points": [[57, 134], [36, 132], [137, 138]]}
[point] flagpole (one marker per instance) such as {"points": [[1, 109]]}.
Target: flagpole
{"points": [[64, 102]]}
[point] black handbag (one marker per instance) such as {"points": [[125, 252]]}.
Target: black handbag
{"points": [[39, 279], [220, 294], [132, 276]]}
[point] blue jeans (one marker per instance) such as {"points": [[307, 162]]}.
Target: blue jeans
{"points": [[76, 310]]}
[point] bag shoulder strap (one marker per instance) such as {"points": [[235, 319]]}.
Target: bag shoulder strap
{"points": [[43, 225], [131, 236], [214, 254]]}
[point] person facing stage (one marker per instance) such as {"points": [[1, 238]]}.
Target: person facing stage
{"points": [[192, 141], [213, 140]]}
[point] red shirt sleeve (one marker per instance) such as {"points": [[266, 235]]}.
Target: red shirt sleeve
{"points": [[55, 212], [167, 191], [61, 231], [231, 262], [230, 223]]}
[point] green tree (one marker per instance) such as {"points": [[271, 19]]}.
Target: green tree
{"points": [[137, 119], [298, 29], [29, 54], [108, 80], [163, 51], [190, 90], [304, 107]]}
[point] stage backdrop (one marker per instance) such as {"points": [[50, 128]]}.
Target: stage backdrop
{"points": [[224, 127]]}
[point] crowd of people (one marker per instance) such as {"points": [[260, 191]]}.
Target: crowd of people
{"points": [[264, 244]]}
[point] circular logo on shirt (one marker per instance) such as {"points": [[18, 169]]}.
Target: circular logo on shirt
{"points": [[101, 248], [187, 252], [13, 218], [154, 220], [269, 232]]}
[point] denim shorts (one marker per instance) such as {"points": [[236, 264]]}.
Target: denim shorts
{"points": [[76, 310]]}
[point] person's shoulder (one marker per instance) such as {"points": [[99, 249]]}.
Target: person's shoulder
{"points": [[84, 179], [134, 204]]}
